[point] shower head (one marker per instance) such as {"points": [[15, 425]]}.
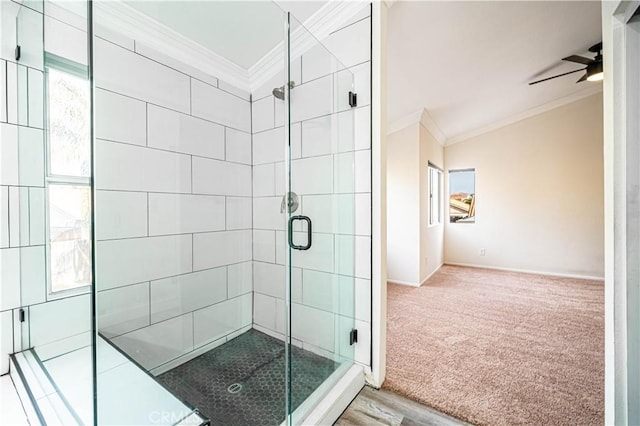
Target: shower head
{"points": [[278, 92]]}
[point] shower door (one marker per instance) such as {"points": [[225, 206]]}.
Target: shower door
{"points": [[319, 237]]}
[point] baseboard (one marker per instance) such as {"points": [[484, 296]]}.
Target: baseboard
{"points": [[407, 283], [528, 271], [411, 284], [431, 274]]}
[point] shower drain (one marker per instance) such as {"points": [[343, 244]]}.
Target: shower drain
{"points": [[234, 388]]}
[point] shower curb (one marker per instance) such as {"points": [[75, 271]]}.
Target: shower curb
{"points": [[338, 398]]}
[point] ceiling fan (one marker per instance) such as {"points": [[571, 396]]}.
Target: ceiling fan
{"points": [[593, 66]]}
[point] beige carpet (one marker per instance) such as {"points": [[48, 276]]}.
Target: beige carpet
{"points": [[499, 348]]}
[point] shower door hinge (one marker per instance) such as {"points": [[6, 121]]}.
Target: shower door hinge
{"points": [[21, 315], [353, 337], [18, 52], [353, 99]]}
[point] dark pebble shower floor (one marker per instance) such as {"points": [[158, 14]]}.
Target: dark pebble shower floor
{"points": [[256, 362]]}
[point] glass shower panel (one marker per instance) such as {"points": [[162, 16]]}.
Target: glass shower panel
{"points": [[25, 63], [48, 103], [320, 233], [24, 238], [187, 324]]}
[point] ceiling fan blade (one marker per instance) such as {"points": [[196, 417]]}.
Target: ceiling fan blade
{"points": [[583, 78], [578, 59], [556, 76]]}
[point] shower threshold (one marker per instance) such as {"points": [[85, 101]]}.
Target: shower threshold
{"points": [[243, 381]]}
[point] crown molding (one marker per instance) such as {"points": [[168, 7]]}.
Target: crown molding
{"points": [[432, 127], [323, 22], [389, 3], [404, 122], [525, 114], [423, 118], [123, 18], [117, 15]]}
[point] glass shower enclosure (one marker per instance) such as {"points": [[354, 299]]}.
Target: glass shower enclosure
{"points": [[223, 187], [184, 183]]}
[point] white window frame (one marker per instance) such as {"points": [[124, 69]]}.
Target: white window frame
{"points": [[70, 67], [434, 171], [453, 171]]}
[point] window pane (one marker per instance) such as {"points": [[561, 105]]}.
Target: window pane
{"points": [[70, 236], [69, 131], [439, 190], [430, 196], [435, 196], [462, 203]]}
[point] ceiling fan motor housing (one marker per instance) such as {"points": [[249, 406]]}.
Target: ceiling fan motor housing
{"points": [[594, 67]]}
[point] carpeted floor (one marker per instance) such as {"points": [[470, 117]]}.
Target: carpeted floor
{"points": [[499, 348]]}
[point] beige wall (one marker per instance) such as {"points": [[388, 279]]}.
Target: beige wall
{"points": [[414, 250], [539, 189], [403, 206], [431, 237]]}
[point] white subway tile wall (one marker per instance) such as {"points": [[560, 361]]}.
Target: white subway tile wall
{"points": [[330, 171], [60, 326], [174, 208], [123, 309], [125, 72], [160, 342], [22, 193], [6, 339], [122, 118], [181, 294], [189, 176]]}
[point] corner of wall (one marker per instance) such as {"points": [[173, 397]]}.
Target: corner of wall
{"points": [[379, 193]]}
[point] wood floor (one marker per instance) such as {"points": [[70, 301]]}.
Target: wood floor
{"points": [[380, 407]]}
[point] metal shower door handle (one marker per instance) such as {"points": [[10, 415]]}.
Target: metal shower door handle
{"points": [[291, 243]]}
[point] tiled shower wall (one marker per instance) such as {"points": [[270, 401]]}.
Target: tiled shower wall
{"points": [[330, 171], [178, 235], [173, 179], [52, 325]]}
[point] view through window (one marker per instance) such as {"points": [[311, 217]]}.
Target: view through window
{"points": [[68, 177], [435, 195], [462, 196]]}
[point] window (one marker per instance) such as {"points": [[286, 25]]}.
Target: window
{"points": [[462, 196], [435, 195], [68, 175]]}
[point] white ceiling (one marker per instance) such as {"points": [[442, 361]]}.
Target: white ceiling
{"points": [[301, 9], [468, 63], [240, 31]]}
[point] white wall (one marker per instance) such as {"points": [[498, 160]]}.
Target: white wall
{"points": [[414, 249], [330, 171], [173, 212], [539, 186]]}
